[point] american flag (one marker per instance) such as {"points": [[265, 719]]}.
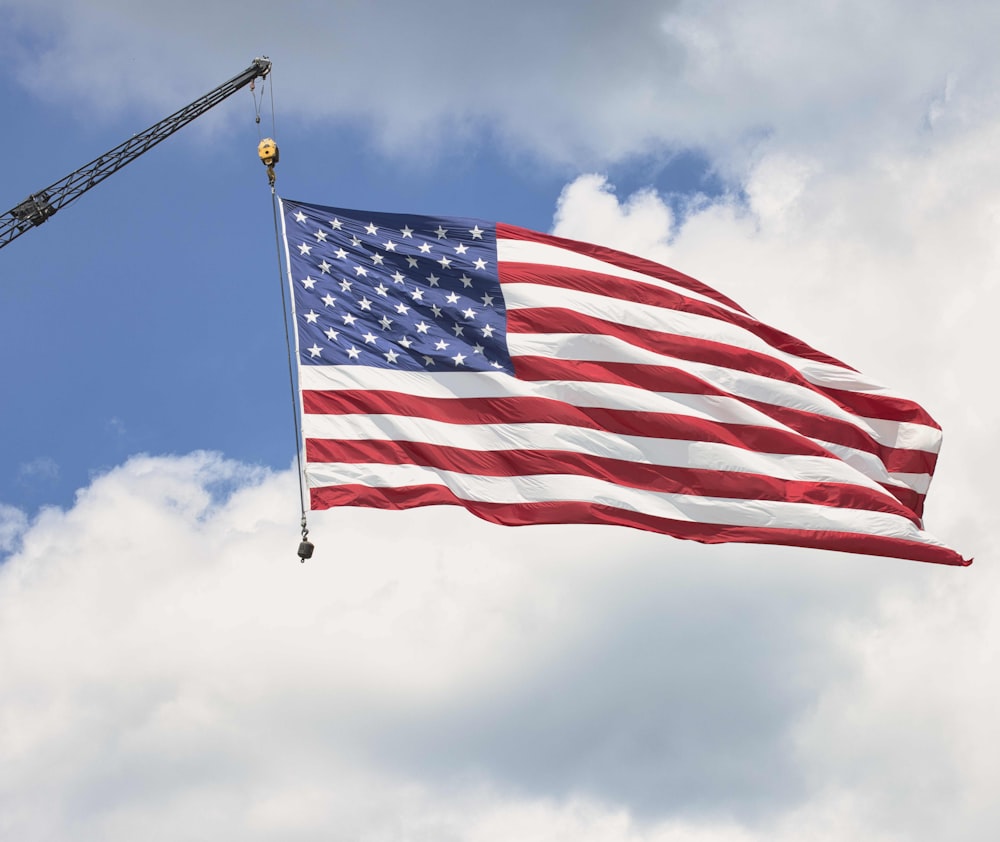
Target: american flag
{"points": [[535, 379]]}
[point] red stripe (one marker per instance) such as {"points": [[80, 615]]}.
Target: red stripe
{"points": [[655, 378], [911, 500], [556, 320], [623, 289], [526, 514], [617, 258], [698, 482], [536, 410], [650, 378], [835, 431]]}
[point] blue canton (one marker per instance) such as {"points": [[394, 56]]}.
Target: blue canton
{"points": [[414, 293]]}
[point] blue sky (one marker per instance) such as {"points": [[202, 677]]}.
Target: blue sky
{"points": [[167, 274], [166, 663]]}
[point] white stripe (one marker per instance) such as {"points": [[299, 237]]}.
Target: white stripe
{"points": [[547, 254], [599, 348], [559, 437], [920, 483], [493, 385], [522, 296], [871, 466], [565, 487]]}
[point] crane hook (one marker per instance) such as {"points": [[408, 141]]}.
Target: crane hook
{"points": [[267, 151]]}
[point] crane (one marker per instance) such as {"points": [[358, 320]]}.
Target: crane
{"points": [[40, 206]]}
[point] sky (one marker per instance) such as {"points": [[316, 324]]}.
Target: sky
{"points": [[169, 670]]}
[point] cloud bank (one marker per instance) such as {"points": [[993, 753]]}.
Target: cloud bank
{"points": [[170, 669], [578, 84]]}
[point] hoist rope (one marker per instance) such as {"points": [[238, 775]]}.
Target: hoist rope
{"points": [[288, 340], [270, 87], [291, 367]]}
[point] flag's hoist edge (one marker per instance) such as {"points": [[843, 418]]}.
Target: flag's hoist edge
{"points": [[605, 389]]}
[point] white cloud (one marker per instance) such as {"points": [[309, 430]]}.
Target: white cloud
{"points": [[165, 656], [40, 469], [892, 265], [13, 522], [582, 84]]}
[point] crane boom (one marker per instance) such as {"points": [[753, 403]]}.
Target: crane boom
{"points": [[40, 206]]}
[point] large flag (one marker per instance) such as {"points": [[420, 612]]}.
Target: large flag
{"points": [[535, 379]]}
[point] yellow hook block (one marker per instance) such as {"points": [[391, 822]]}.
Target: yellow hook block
{"points": [[267, 150]]}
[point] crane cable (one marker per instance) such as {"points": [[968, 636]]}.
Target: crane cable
{"points": [[267, 150]]}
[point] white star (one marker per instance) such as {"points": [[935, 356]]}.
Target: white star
{"points": [[360, 270], [441, 345], [477, 348], [451, 298], [311, 317], [461, 248], [382, 290], [422, 327], [399, 277], [436, 311], [459, 330], [412, 261], [488, 331], [479, 264], [466, 280], [402, 309], [329, 300], [386, 322], [345, 285], [336, 224], [369, 338], [389, 246], [353, 353], [355, 241], [477, 233], [308, 282], [340, 253], [459, 359], [370, 228], [300, 217], [441, 232], [391, 356], [305, 248], [487, 300], [406, 231], [315, 350], [350, 320], [469, 313], [495, 364], [445, 262], [428, 360], [332, 335], [321, 235], [377, 259], [425, 247], [406, 342], [417, 294], [433, 279], [365, 304], [324, 267]]}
